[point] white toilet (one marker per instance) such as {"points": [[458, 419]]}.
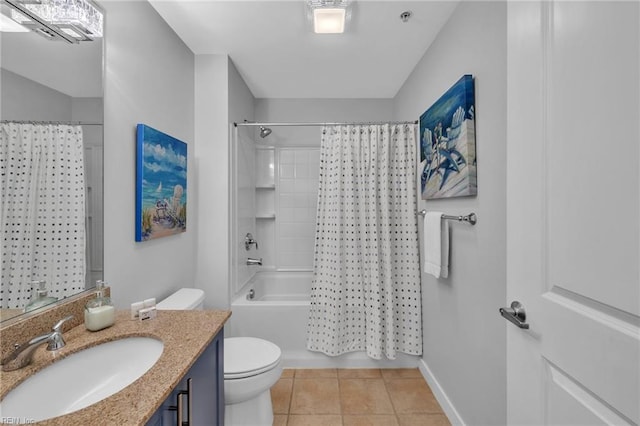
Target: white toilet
{"points": [[251, 367], [185, 299]]}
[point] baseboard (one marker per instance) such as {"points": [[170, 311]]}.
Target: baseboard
{"points": [[444, 401]]}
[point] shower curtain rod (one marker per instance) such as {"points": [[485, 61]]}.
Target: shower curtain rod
{"points": [[70, 123], [363, 123]]}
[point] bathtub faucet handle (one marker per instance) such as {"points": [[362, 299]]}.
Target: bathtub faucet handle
{"points": [[249, 241]]}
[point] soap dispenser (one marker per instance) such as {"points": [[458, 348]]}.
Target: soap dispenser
{"points": [[39, 296], [99, 313]]}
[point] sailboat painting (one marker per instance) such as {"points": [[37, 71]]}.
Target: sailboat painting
{"points": [[161, 184], [448, 144]]}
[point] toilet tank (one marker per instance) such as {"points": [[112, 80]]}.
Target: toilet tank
{"points": [[185, 299]]}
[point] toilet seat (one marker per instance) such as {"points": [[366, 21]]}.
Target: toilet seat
{"points": [[249, 356]]}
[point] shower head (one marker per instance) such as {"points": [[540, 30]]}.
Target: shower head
{"points": [[264, 131]]}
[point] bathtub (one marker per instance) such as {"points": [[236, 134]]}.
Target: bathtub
{"points": [[293, 288], [279, 312]]}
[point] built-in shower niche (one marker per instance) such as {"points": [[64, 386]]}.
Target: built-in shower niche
{"points": [[265, 204]]}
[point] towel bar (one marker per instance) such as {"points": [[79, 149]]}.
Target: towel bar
{"points": [[471, 218]]}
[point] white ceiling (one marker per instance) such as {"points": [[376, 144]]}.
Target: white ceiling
{"points": [[278, 55], [270, 42], [73, 69]]}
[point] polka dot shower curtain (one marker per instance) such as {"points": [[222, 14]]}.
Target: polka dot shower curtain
{"points": [[366, 287], [42, 210]]}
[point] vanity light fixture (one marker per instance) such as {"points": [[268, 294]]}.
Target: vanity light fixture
{"points": [[8, 25], [69, 20], [329, 16]]}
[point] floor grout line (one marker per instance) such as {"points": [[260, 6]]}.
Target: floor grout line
{"points": [[395, 411], [339, 397], [295, 378], [293, 384]]}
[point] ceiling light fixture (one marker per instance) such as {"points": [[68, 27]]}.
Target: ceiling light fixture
{"points": [[329, 16], [70, 20]]}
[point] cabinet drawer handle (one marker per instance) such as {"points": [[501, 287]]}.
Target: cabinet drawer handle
{"points": [[179, 407]]}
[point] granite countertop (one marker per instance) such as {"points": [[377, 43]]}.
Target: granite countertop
{"points": [[185, 335], [10, 313]]}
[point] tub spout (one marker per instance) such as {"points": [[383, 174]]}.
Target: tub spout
{"points": [[251, 261]]}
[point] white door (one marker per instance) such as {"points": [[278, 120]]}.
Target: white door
{"points": [[573, 208]]}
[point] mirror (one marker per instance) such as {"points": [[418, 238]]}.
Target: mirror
{"points": [[55, 82]]}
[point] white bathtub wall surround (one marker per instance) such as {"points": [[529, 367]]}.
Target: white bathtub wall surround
{"points": [[232, 230], [297, 189], [280, 312], [284, 219], [245, 204], [366, 290], [265, 212], [265, 166]]}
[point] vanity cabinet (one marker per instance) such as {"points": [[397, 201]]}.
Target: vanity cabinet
{"points": [[207, 391]]}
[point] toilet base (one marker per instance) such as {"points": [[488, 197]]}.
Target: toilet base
{"points": [[254, 412]]}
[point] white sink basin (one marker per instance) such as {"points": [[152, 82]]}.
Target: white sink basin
{"points": [[81, 379]]}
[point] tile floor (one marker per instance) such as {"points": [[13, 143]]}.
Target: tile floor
{"points": [[355, 397]]}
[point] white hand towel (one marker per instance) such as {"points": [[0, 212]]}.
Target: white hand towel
{"points": [[436, 245]]}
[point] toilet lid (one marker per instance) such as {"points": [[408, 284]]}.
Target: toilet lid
{"points": [[249, 356], [183, 299]]}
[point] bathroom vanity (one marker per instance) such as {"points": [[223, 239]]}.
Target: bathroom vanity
{"points": [[201, 390], [193, 348]]}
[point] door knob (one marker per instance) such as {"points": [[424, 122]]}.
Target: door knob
{"points": [[516, 314]]}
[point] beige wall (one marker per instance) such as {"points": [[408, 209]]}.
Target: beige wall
{"points": [[464, 337], [149, 79]]}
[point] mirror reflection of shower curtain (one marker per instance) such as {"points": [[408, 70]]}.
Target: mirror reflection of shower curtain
{"points": [[42, 210], [366, 287]]}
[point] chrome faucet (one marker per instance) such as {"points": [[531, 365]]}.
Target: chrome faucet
{"points": [[22, 355], [249, 241], [252, 261]]}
